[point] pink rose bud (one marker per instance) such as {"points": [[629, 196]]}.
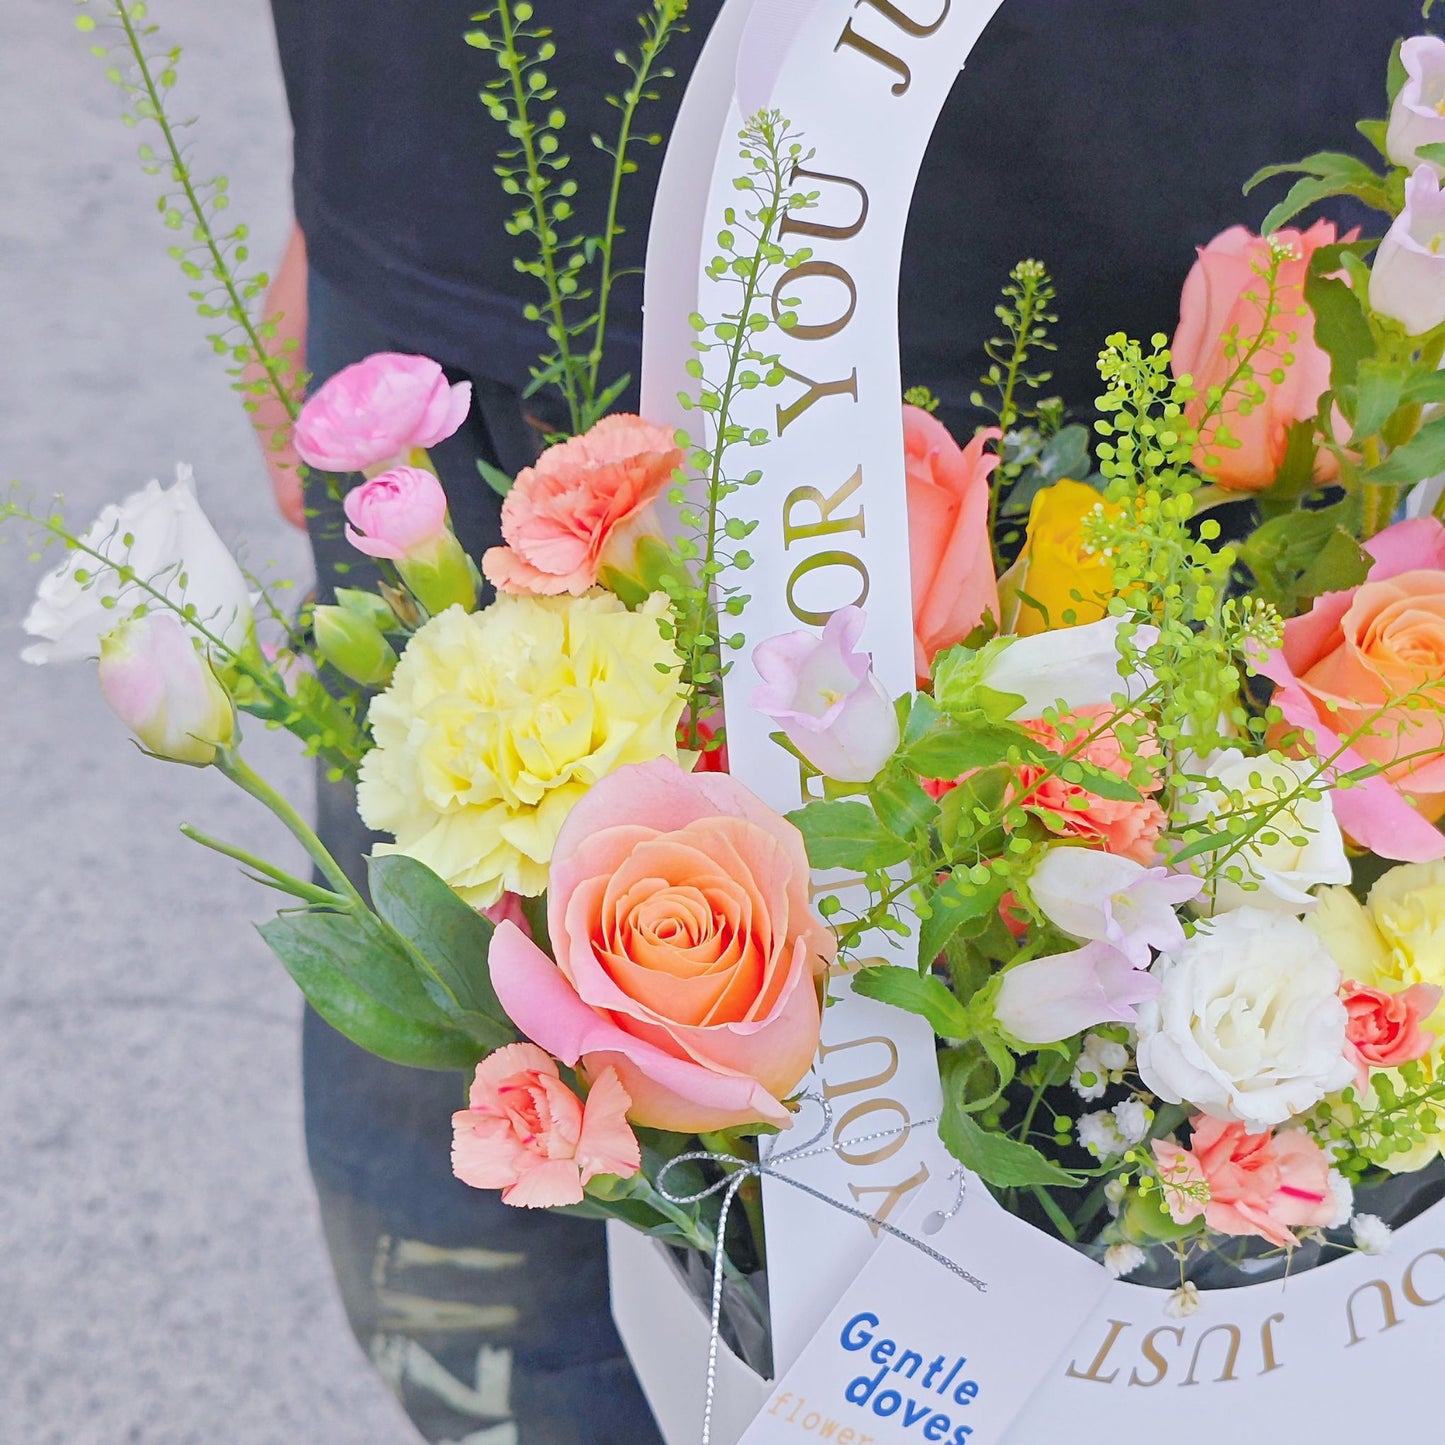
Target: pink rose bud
{"points": [[1407, 279], [400, 512], [160, 687], [1050, 999], [1384, 1030], [1418, 116], [401, 516], [1222, 301], [526, 1133], [378, 411], [822, 692]]}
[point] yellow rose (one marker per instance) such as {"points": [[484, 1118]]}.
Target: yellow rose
{"points": [[497, 722], [1057, 561]]}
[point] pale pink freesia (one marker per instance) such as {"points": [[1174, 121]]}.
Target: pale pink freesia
{"points": [[160, 686], [951, 555], [1099, 897], [396, 514], [688, 957], [1266, 1185], [823, 694], [1417, 117], [1225, 293], [1385, 1030], [582, 508], [1407, 276], [1347, 664], [526, 1133], [1049, 999], [377, 411]]}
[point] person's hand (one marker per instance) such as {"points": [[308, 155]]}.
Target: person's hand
{"points": [[286, 305]]}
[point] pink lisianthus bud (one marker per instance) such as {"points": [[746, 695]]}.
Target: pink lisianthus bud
{"points": [[526, 1133], [1046, 1000], [1417, 117], [378, 411], [160, 687], [822, 692], [1407, 278], [397, 513]]}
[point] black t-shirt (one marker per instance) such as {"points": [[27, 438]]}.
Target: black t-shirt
{"points": [[1108, 138]]}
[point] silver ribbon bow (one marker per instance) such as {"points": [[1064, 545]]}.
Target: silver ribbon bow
{"points": [[741, 1170]]}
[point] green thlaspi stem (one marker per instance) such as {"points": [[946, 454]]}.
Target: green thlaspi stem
{"points": [[267, 873], [279, 374]]}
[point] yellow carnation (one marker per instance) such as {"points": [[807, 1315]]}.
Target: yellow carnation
{"points": [[1057, 561], [497, 722]]}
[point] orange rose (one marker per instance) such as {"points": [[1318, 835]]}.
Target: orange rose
{"points": [[1223, 303], [1368, 666], [948, 541], [687, 954]]}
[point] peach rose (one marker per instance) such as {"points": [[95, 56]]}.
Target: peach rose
{"points": [[526, 1133], [582, 507], [948, 541], [1369, 665], [1224, 295], [1384, 1029], [1259, 1184], [687, 955]]}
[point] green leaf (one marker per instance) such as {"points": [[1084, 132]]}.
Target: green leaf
{"points": [[923, 994], [1378, 385], [451, 942], [951, 750], [995, 1158], [494, 477], [902, 805], [333, 959], [847, 834], [1420, 457], [1434, 151], [1329, 173], [1397, 75], [1339, 565], [1424, 388], [1340, 325], [1375, 132], [954, 903]]}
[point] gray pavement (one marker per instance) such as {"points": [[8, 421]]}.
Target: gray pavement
{"points": [[162, 1275]]}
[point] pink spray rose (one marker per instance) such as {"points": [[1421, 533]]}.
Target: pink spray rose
{"points": [[1259, 1184], [526, 1133], [1359, 660], [583, 507], [951, 555], [822, 693], [377, 410], [687, 955], [1226, 291], [1046, 1000], [1384, 1029], [397, 513]]}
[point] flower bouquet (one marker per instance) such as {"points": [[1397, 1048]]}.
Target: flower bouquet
{"points": [[1111, 842]]}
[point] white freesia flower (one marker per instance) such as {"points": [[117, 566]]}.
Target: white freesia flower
{"points": [[1248, 1024], [1076, 666], [1372, 1234], [172, 547], [1122, 1259], [1106, 898], [1299, 848]]}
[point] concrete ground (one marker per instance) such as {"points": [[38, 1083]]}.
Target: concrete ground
{"points": [[162, 1274]]}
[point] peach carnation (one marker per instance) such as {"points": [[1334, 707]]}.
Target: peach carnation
{"points": [[582, 507]]}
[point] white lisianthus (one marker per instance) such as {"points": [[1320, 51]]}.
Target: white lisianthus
{"points": [[1076, 667], [1299, 848], [172, 547], [1248, 1024]]}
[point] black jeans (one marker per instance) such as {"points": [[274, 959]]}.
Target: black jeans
{"points": [[491, 1323]]}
